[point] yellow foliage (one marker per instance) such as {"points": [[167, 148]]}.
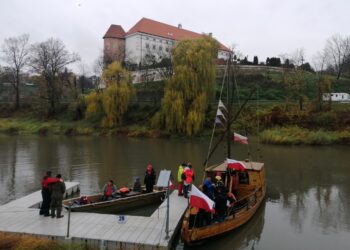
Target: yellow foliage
{"points": [[116, 74], [187, 93], [115, 103], [94, 106], [110, 104]]}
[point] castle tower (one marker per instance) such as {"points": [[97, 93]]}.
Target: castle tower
{"points": [[114, 44]]}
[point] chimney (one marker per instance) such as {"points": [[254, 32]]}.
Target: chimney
{"points": [[179, 26], [210, 34]]}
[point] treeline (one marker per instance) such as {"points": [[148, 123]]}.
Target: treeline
{"points": [[334, 59]]}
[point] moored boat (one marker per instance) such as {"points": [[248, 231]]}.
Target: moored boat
{"points": [[120, 202], [240, 185], [250, 194]]}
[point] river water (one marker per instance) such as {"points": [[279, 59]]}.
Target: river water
{"points": [[308, 188]]}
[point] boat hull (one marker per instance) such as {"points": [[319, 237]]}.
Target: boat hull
{"points": [[237, 219], [117, 205]]}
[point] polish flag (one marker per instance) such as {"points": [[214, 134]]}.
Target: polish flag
{"points": [[240, 138], [233, 164], [200, 200]]}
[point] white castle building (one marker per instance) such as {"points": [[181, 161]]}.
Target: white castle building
{"points": [[147, 37]]}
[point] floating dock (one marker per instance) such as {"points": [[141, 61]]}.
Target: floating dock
{"points": [[104, 231]]}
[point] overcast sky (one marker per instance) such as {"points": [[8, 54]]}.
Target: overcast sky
{"points": [[257, 27]]}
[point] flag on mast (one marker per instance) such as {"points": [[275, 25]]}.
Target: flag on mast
{"points": [[240, 138], [219, 113], [218, 121], [221, 105]]}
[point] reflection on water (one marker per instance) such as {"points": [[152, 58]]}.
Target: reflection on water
{"points": [[307, 205]]}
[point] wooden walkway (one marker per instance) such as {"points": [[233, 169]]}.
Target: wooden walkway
{"points": [[98, 230]]}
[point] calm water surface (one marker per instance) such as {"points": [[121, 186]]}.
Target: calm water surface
{"points": [[308, 195]]}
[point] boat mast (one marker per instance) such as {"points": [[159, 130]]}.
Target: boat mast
{"points": [[230, 90]]}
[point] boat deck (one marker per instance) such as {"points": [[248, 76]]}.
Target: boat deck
{"points": [[97, 230]]}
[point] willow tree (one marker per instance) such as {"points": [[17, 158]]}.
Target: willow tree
{"points": [[188, 91], [117, 95]]}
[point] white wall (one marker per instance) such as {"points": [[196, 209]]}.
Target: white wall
{"points": [[336, 97], [222, 54], [132, 48], [138, 45]]}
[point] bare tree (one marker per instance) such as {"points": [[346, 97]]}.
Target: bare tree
{"points": [[16, 54], [97, 69], [83, 73], [319, 63], [337, 50], [49, 59], [298, 57]]}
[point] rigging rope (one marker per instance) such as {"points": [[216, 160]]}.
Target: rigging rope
{"points": [[239, 104], [212, 134]]}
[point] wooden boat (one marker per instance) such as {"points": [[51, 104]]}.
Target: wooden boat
{"points": [[119, 203], [250, 194], [246, 183]]}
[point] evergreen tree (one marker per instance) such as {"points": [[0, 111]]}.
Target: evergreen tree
{"points": [[255, 60], [188, 91]]}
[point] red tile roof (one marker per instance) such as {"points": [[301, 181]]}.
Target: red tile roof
{"points": [[156, 28], [115, 31]]}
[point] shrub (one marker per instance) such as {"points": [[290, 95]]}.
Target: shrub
{"points": [[327, 120]]}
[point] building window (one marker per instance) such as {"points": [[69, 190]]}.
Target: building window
{"points": [[154, 39], [147, 46], [146, 37], [167, 49], [154, 47], [160, 48]]}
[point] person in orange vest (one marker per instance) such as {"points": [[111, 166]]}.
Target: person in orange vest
{"points": [[188, 177], [108, 190]]}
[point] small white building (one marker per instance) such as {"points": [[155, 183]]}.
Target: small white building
{"points": [[336, 97]]}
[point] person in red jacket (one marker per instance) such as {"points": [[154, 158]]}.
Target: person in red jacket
{"points": [[46, 193], [188, 176], [150, 178]]}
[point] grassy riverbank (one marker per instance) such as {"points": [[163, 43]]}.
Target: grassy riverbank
{"points": [[276, 123], [296, 136], [31, 126], [24, 242]]}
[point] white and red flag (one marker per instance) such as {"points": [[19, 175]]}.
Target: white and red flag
{"points": [[233, 164], [240, 138], [200, 200]]}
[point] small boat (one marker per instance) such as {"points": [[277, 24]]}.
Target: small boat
{"points": [[119, 203], [250, 195]]}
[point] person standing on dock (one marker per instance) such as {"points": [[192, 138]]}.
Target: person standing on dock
{"points": [[57, 191], [150, 178], [188, 175], [179, 179], [46, 193]]}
